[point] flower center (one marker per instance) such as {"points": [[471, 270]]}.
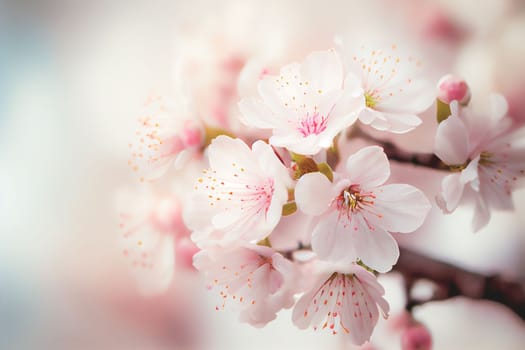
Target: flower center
{"points": [[484, 158], [370, 99], [352, 199], [312, 124]]}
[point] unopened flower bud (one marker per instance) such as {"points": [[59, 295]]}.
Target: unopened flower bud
{"points": [[416, 337], [452, 88]]}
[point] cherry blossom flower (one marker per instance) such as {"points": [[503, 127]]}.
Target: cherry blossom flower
{"points": [[241, 196], [149, 226], [306, 106], [393, 89], [254, 278], [488, 156], [347, 301], [357, 211], [167, 134]]}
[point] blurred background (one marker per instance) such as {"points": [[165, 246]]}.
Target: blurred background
{"points": [[74, 76]]}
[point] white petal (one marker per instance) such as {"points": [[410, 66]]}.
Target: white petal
{"points": [[333, 239], [323, 70], [272, 93], [352, 85], [225, 151], [451, 193], [470, 174], [452, 141], [255, 113], [368, 116], [398, 123], [376, 248], [416, 97], [481, 215], [399, 208], [368, 167], [360, 312], [314, 193], [346, 110], [499, 107]]}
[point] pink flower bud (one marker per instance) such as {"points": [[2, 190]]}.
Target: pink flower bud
{"points": [[416, 337], [452, 88]]}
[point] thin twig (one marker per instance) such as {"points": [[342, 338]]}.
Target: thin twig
{"points": [[454, 281]]}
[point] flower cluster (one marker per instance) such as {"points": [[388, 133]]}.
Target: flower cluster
{"points": [[239, 201], [279, 185]]}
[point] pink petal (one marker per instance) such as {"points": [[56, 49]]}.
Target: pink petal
{"points": [[396, 122], [352, 85], [360, 314], [268, 89], [470, 175], [368, 116], [481, 215], [376, 248], [451, 193], [225, 151], [499, 107], [314, 193], [333, 240], [452, 141], [257, 114], [399, 208], [417, 96], [323, 70], [368, 167]]}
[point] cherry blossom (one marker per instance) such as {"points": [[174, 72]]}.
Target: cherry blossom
{"points": [[149, 226], [258, 280], [392, 85], [357, 211], [306, 105], [487, 155], [167, 134], [347, 301], [240, 197]]}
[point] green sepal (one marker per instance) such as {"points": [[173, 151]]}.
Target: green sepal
{"points": [[442, 110], [325, 169], [211, 133], [369, 269], [289, 208], [265, 242]]}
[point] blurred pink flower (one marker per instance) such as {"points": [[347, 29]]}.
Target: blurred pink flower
{"points": [[357, 211], [306, 106], [347, 301], [416, 337], [167, 134], [240, 197], [150, 226], [257, 279], [489, 156]]}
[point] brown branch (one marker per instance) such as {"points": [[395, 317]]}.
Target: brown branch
{"points": [[451, 281], [454, 281], [393, 152]]}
